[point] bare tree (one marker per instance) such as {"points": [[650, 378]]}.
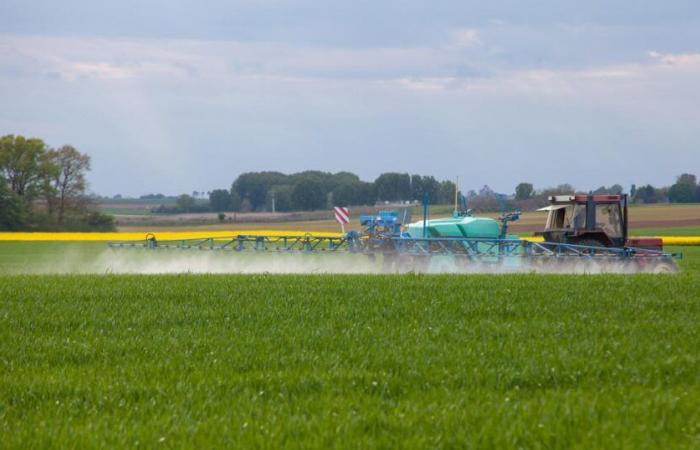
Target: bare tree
{"points": [[69, 179]]}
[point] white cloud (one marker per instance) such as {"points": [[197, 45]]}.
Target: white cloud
{"points": [[465, 37], [685, 60]]}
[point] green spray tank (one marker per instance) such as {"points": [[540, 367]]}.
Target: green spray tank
{"points": [[462, 224]]}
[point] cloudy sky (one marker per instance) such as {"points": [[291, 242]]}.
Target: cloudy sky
{"points": [[174, 96]]}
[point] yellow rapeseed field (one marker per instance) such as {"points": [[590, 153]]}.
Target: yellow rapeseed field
{"points": [[161, 235], [170, 235], [668, 240]]}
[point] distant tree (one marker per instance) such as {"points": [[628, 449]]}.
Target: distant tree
{"points": [[486, 191], [246, 206], [66, 179], [220, 200], [308, 195], [345, 195], [524, 191], [614, 189], [446, 194], [562, 189], [254, 186], [235, 200], [393, 186], [633, 191], [185, 203], [95, 220], [344, 178], [687, 178], [684, 190], [117, 197], [12, 212], [681, 193], [431, 186], [354, 194], [417, 187], [647, 194], [21, 164], [283, 198]]}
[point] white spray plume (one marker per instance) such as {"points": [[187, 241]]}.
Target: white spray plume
{"points": [[141, 261]]}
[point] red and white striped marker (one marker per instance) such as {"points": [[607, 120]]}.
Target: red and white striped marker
{"points": [[342, 216]]}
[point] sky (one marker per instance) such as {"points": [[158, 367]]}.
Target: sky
{"points": [[176, 96]]}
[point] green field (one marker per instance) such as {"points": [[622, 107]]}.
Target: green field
{"points": [[212, 361], [668, 231]]}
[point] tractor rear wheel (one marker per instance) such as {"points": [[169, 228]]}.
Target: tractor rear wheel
{"points": [[592, 243]]}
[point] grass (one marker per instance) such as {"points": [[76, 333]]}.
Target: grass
{"points": [[667, 231], [349, 361]]}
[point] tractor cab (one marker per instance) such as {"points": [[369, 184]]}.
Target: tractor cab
{"points": [[595, 220]]}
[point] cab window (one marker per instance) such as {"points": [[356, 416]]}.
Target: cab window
{"points": [[609, 219]]}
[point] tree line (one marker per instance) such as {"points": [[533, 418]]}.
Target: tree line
{"points": [[309, 190], [45, 188], [312, 190], [685, 190]]}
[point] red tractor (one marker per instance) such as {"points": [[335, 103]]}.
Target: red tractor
{"points": [[592, 220]]}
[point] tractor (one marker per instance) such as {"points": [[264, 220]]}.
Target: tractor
{"points": [[592, 221]]}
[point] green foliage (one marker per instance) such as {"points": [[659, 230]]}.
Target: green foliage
{"points": [[12, 210], [283, 198], [354, 193], [255, 189], [647, 194], [681, 193], [57, 176], [186, 203], [308, 195], [687, 178], [97, 221], [562, 189], [22, 163], [614, 189], [685, 190], [235, 201], [64, 180], [349, 361], [447, 193], [220, 200], [151, 197], [393, 187], [524, 191], [253, 186], [425, 184]]}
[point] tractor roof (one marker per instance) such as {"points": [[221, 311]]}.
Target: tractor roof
{"points": [[583, 198]]}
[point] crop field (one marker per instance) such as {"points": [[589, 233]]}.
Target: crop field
{"points": [[211, 361]]}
